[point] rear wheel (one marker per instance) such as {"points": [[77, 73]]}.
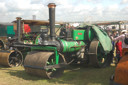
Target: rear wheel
{"points": [[97, 56]]}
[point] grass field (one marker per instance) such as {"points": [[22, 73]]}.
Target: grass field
{"points": [[73, 75]]}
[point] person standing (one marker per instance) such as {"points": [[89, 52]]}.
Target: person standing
{"points": [[118, 50], [122, 37], [113, 44], [112, 37]]}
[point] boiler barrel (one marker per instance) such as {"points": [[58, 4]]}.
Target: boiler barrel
{"points": [[71, 46]]}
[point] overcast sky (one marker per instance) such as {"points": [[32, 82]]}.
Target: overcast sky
{"points": [[66, 10]]}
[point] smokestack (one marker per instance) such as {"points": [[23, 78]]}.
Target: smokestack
{"points": [[34, 17], [19, 28], [51, 7]]}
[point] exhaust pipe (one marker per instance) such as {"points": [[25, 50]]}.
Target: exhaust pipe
{"points": [[51, 7], [19, 28]]}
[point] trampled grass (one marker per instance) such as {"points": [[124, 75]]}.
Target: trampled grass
{"points": [[73, 75]]}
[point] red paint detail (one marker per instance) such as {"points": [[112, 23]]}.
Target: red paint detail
{"points": [[79, 33]]}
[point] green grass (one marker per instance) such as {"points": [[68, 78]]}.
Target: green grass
{"points": [[75, 75]]}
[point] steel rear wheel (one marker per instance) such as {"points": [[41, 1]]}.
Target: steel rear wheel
{"points": [[97, 56]]}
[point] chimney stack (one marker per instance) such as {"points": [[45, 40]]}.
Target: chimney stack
{"points": [[19, 28], [52, 7]]}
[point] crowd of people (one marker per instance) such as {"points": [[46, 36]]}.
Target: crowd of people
{"points": [[119, 41]]}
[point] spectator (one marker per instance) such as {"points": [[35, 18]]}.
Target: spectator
{"points": [[113, 43], [113, 36], [118, 50], [122, 38]]}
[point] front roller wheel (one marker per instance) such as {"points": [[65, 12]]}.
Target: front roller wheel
{"points": [[11, 58], [97, 56], [36, 63]]}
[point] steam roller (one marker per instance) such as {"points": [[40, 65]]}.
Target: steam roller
{"points": [[48, 57], [11, 58]]}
